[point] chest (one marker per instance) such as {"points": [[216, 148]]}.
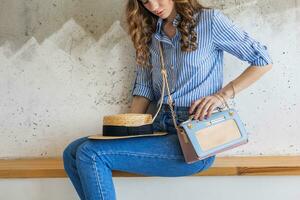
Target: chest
{"points": [[176, 58], [169, 30]]}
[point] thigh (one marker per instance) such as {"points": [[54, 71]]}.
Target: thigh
{"points": [[151, 156], [164, 120]]}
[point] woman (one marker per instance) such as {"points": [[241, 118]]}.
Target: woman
{"points": [[193, 40]]}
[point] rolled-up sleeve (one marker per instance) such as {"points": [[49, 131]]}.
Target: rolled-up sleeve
{"points": [[143, 83], [230, 38]]}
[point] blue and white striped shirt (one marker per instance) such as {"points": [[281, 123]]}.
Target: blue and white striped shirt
{"points": [[193, 75]]}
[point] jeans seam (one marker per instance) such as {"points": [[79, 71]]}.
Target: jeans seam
{"points": [[162, 122], [97, 175], [169, 157]]}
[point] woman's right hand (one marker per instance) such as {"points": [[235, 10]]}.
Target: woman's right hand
{"points": [[205, 106]]}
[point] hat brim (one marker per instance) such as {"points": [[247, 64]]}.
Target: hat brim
{"points": [[101, 137]]}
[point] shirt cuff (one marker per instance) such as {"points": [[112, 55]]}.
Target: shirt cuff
{"points": [[262, 57], [140, 90]]}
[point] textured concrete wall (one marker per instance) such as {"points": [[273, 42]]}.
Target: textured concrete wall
{"points": [[21, 20], [65, 64]]}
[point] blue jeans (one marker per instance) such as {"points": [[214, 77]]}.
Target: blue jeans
{"points": [[89, 163]]}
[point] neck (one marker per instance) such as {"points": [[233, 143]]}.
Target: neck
{"points": [[171, 17]]}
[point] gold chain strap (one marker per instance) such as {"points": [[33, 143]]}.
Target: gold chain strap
{"points": [[165, 81]]}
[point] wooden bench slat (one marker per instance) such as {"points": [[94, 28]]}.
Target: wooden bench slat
{"points": [[223, 166]]}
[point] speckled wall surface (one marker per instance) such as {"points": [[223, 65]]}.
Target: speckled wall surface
{"points": [[65, 64]]}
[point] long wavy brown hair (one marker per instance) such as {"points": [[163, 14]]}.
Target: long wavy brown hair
{"points": [[142, 24]]}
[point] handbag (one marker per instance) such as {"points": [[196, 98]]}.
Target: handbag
{"points": [[222, 131]]}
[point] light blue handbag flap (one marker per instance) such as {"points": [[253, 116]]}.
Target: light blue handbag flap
{"points": [[192, 126]]}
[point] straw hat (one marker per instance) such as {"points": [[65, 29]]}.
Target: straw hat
{"points": [[129, 125]]}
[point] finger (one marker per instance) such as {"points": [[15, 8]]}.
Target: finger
{"points": [[194, 105], [218, 101], [210, 110], [200, 107], [205, 108]]}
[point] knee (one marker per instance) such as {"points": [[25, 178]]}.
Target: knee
{"points": [[203, 164], [67, 153], [90, 149], [209, 162], [70, 151], [85, 151]]}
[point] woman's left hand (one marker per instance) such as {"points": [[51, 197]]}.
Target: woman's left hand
{"points": [[204, 106]]}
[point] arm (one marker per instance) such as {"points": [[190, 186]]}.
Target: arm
{"points": [[228, 37], [249, 76], [139, 104], [142, 91]]}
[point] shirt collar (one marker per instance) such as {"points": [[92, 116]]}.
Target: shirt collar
{"points": [[160, 22], [160, 35]]}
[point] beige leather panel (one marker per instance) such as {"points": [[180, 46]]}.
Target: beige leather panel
{"points": [[218, 134]]}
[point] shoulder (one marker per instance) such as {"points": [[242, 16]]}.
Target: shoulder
{"points": [[204, 20], [208, 15]]}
